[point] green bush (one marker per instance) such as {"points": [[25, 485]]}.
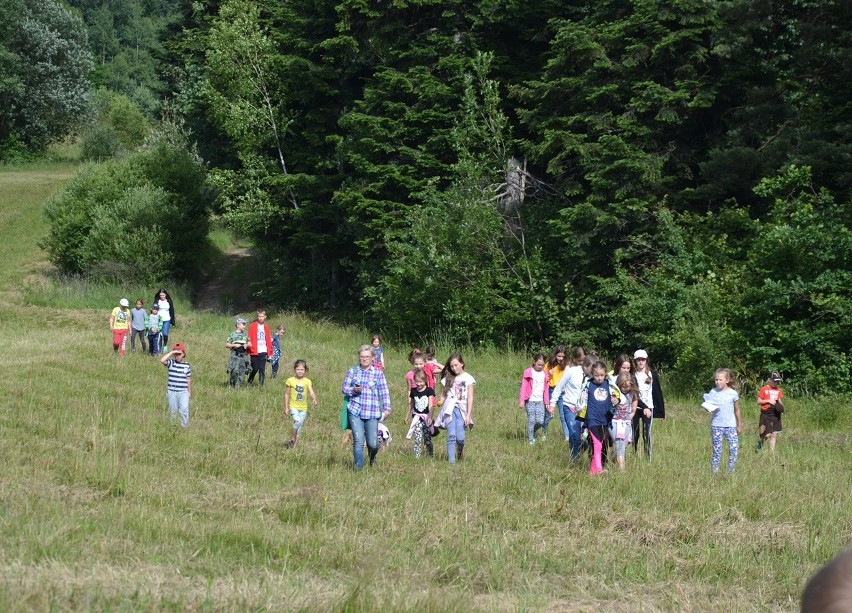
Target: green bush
{"points": [[100, 143], [141, 218]]}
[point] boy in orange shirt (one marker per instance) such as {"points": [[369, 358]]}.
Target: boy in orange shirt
{"points": [[769, 398]]}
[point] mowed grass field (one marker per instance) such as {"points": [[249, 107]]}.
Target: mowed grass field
{"points": [[104, 505]]}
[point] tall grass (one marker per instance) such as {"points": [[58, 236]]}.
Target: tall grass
{"points": [[106, 505]]}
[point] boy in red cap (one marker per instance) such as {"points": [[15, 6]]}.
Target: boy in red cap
{"points": [[769, 398], [179, 386]]}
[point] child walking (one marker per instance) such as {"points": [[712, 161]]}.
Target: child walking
{"points": [[296, 391], [769, 399], [456, 405], [432, 366], [153, 325], [621, 430], [420, 400], [596, 400], [276, 350], [727, 422], [238, 359], [119, 324], [378, 352], [418, 362], [534, 396], [137, 325], [179, 387]]}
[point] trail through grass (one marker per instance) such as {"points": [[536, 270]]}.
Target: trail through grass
{"points": [[106, 505]]}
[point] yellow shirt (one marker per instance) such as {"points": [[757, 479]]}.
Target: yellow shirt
{"points": [[555, 375], [121, 319], [298, 390]]}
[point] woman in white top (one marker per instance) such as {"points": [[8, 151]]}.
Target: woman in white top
{"points": [[651, 402], [167, 314]]}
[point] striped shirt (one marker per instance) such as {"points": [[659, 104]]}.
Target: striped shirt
{"points": [[374, 397], [179, 374]]}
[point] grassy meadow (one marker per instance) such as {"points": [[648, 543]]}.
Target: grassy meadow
{"points": [[104, 505]]}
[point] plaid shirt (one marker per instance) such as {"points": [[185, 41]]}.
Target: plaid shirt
{"points": [[374, 397]]}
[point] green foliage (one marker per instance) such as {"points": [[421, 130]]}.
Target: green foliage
{"points": [[797, 311], [142, 218], [100, 143], [124, 37], [124, 117], [119, 126], [45, 64], [461, 266], [354, 153]]}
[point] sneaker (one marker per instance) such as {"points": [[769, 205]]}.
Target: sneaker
{"points": [[543, 437], [759, 446], [532, 442], [291, 444]]}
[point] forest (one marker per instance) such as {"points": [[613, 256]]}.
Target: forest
{"points": [[675, 175]]}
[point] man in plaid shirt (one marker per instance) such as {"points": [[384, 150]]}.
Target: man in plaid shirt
{"points": [[369, 401]]}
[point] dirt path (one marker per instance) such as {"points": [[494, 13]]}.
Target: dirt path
{"points": [[227, 287]]}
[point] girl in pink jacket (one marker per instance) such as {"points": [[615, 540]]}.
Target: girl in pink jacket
{"points": [[534, 396]]}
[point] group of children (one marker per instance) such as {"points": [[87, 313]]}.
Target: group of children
{"points": [[428, 413], [153, 325], [598, 409], [251, 348], [602, 410]]}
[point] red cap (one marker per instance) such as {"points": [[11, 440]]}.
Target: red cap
{"points": [[179, 347]]}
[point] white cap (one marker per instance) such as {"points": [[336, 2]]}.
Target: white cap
{"points": [[640, 353], [123, 302]]}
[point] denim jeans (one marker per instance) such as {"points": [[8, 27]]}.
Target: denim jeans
{"points": [[362, 428], [455, 434], [179, 406], [571, 428]]}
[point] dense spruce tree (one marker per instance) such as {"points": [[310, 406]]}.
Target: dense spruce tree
{"points": [[342, 141]]}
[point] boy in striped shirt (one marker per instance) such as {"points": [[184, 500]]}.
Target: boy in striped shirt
{"points": [[180, 383]]}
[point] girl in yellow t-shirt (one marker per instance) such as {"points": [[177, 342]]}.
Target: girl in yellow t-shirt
{"points": [[296, 391]]}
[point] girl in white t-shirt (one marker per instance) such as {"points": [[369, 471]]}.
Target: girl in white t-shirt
{"points": [[726, 421], [534, 396], [457, 413]]}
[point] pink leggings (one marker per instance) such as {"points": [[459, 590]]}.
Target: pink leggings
{"points": [[597, 450]]}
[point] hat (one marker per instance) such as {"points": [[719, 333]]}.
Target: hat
{"points": [[239, 320], [154, 307], [776, 376], [123, 302], [179, 347], [640, 353]]}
